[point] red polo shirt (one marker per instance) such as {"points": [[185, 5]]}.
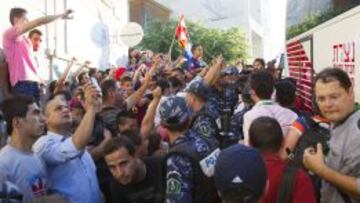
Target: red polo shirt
{"points": [[303, 190]]}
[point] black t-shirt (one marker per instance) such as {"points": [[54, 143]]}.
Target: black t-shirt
{"points": [[150, 190]]}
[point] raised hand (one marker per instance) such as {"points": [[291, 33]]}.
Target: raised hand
{"points": [[73, 60], [219, 61], [157, 92], [93, 100], [67, 14], [87, 63], [158, 59]]}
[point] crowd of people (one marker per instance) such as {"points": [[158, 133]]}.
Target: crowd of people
{"points": [[171, 131]]}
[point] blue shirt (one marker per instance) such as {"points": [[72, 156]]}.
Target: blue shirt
{"points": [[71, 172], [193, 64]]}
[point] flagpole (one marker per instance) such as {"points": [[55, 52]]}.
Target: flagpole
{"points": [[173, 40], [171, 45]]}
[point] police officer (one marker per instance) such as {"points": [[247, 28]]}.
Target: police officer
{"points": [[229, 77], [237, 120], [230, 74], [191, 159], [203, 121], [222, 102]]}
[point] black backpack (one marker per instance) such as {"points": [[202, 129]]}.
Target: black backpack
{"points": [[316, 132]]}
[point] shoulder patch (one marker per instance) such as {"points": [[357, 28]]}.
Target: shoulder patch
{"points": [[205, 130], [204, 127], [173, 186]]}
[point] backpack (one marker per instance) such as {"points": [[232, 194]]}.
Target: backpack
{"points": [[316, 132], [204, 186]]}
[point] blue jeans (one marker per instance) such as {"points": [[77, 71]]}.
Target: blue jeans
{"points": [[29, 88]]}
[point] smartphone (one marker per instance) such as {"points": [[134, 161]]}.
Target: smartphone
{"points": [[96, 84]]}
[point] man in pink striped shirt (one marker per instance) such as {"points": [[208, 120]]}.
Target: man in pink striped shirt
{"points": [[19, 52]]}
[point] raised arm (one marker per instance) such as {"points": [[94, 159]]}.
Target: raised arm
{"points": [[78, 71], [60, 83], [214, 71], [148, 121], [179, 61], [136, 96], [67, 70], [42, 21], [92, 106]]}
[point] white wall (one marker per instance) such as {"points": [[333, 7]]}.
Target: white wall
{"points": [[88, 35], [274, 28], [337, 43]]}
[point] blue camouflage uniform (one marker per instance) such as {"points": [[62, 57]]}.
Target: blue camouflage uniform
{"points": [[236, 124], [179, 171], [237, 120], [225, 101], [203, 121], [183, 168], [204, 124], [216, 97], [213, 103]]}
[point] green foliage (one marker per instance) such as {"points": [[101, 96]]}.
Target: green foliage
{"points": [[231, 43], [312, 21]]}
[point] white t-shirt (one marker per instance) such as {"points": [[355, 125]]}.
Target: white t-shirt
{"points": [[284, 116], [25, 170]]}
